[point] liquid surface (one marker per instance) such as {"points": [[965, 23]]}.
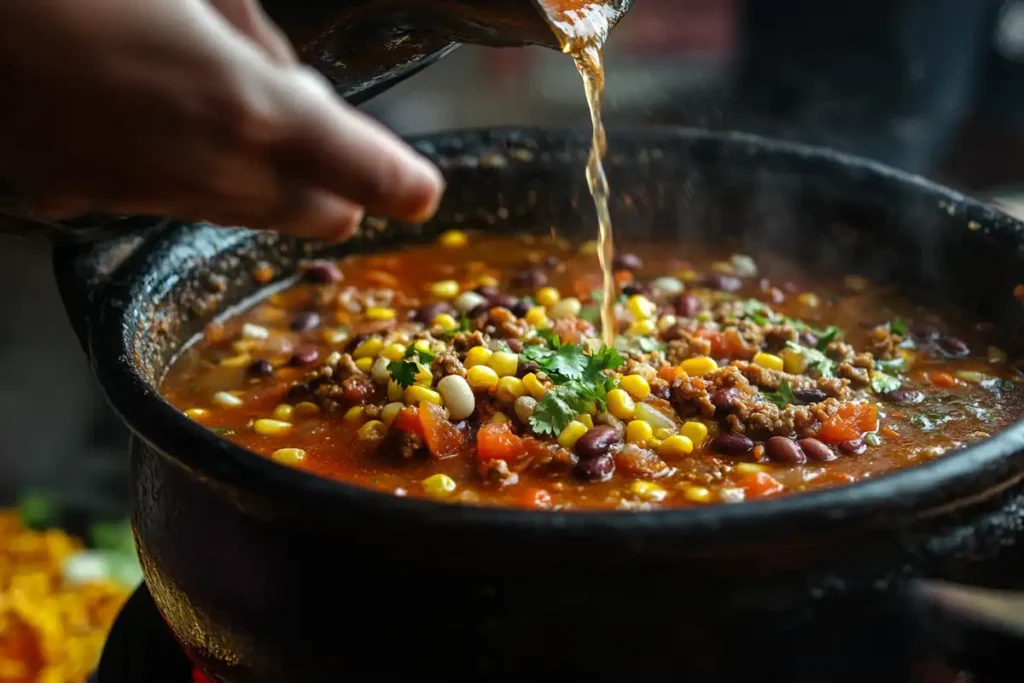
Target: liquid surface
{"points": [[731, 379]]}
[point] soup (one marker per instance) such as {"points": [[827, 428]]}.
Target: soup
{"points": [[472, 371]]}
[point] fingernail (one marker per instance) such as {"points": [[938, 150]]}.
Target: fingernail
{"points": [[432, 184]]}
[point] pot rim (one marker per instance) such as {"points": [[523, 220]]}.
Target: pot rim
{"points": [[965, 478]]}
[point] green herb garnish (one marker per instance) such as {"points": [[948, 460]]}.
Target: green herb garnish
{"points": [[816, 361], [890, 366], [464, 326], [783, 397], [829, 335], [872, 439], [642, 344], [898, 326], [38, 509], [883, 383]]}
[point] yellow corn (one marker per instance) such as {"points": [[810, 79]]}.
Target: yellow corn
{"points": [[305, 408], [586, 419], [478, 355], [547, 296], [453, 239], [380, 313], [533, 385], [288, 456], [417, 394], [238, 361], [538, 317], [589, 248], [395, 391], [245, 345], [636, 386], [620, 404], [438, 485], [700, 365], [504, 363], [697, 494], [424, 377], [647, 491], [422, 345], [675, 446], [688, 275], [663, 433], [809, 299], [487, 281], [639, 432], [195, 413], [509, 389], [372, 430], [445, 289], [696, 432], [271, 427], [389, 412], [365, 364], [571, 434], [355, 414], [335, 336], [749, 468], [283, 412], [499, 418], [667, 321], [769, 361], [642, 327], [394, 351], [369, 348], [793, 361], [482, 377], [640, 307], [445, 321]]}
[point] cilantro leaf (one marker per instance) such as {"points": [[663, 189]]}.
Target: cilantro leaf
{"points": [[38, 509], [898, 326], [890, 366], [758, 311], [831, 333], [882, 383], [607, 358], [559, 407], [592, 314], [403, 372], [568, 361], [464, 326], [640, 344], [424, 357], [816, 361], [783, 397]]}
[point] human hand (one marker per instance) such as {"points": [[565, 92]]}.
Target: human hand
{"points": [[192, 109]]}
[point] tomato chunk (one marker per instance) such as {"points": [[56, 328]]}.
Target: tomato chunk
{"points": [[408, 420], [495, 441], [443, 438], [760, 485], [850, 422]]}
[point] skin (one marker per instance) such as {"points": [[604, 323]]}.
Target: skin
{"points": [[193, 109]]}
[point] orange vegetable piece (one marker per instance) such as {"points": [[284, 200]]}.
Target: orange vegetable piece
{"points": [[667, 373], [536, 498], [443, 438], [760, 485], [495, 441], [408, 420], [944, 380], [850, 422], [623, 277]]}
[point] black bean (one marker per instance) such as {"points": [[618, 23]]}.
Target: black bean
{"points": [[597, 442], [784, 450], [514, 345], [687, 305], [724, 283], [807, 339], [596, 469], [634, 288], [520, 309], [923, 332], [480, 310], [808, 396], [322, 272], [952, 347], [905, 396], [732, 443], [487, 291], [426, 314], [305, 321], [627, 262], [816, 450], [305, 356], [853, 447], [260, 368], [722, 399], [503, 301], [530, 278]]}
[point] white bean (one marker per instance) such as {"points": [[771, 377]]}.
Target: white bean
{"points": [[569, 307], [668, 286], [457, 396], [467, 301], [226, 400], [524, 407], [250, 331], [379, 371]]}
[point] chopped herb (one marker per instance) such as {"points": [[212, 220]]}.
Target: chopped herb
{"points": [[830, 335], [783, 397], [883, 383], [592, 314], [403, 372], [222, 431], [38, 510], [558, 408], [927, 423], [464, 326], [898, 326], [890, 366], [424, 357], [816, 361], [759, 312], [872, 439], [642, 344]]}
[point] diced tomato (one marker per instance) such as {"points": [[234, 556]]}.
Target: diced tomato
{"points": [[944, 380], [585, 285], [535, 498], [408, 420], [623, 277], [719, 347], [736, 346], [850, 422], [443, 438], [495, 441], [667, 372], [760, 485]]}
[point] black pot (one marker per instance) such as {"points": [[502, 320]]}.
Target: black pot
{"points": [[265, 573]]}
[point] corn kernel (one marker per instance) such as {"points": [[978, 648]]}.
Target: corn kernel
{"points": [[445, 321], [675, 446], [636, 386], [769, 361], [365, 364], [688, 275], [749, 468], [482, 377], [509, 389], [499, 418], [283, 412], [380, 313], [389, 412], [647, 491], [793, 361], [226, 400], [355, 414], [369, 348], [245, 345], [487, 281], [453, 239], [195, 413], [504, 363], [372, 430], [394, 351], [417, 394], [478, 355], [642, 327], [589, 248], [241, 360], [534, 387], [697, 494], [700, 365], [639, 432], [395, 391], [571, 434], [696, 432], [809, 299], [271, 427], [305, 408], [336, 336], [640, 307], [424, 377], [288, 456], [663, 433], [667, 321], [586, 419], [538, 317], [547, 296], [445, 289], [438, 485], [620, 404]]}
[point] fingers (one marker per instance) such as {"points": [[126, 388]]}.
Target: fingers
{"points": [[248, 17]]}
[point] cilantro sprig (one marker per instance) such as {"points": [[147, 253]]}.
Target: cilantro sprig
{"points": [[817, 362], [404, 371], [783, 397], [882, 383]]}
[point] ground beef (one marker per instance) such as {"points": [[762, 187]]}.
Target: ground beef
{"points": [[464, 341], [884, 344], [690, 397], [548, 457], [770, 380], [446, 364], [751, 333], [503, 324], [403, 446], [497, 472], [640, 462], [686, 346], [776, 337], [762, 420], [858, 377], [331, 373], [840, 352]]}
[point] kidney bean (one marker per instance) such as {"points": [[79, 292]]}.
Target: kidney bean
{"points": [[597, 442], [514, 345], [322, 272], [808, 396], [952, 347], [784, 450], [627, 262], [816, 450], [260, 368], [520, 309], [731, 443], [305, 321], [686, 305], [503, 300], [905, 396], [853, 447], [487, 291], [305, 356], [722, 400], [923, 332], [530, 278], [426, 314], [596, 469], [724, 283]]}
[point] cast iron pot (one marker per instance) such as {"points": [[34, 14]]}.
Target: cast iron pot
{"points": [[267, 574]]}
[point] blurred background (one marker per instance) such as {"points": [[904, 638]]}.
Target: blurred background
{"points": [[931, 86]]}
